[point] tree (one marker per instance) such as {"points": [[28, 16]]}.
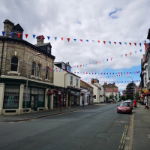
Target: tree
{"points": [[131, 91]]}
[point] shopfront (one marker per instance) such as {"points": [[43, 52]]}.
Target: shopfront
{"points": [[34, 99], [73, 97], [11, 97]]}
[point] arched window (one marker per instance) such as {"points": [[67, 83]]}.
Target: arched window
{"points": [[47, 72], [14, 63], [38, 74], [33, 68]]}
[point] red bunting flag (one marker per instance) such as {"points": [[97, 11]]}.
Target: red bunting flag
{"points": [[135, 44], [68, 39], [98, 41], [19, 35], [130, 43], [81, 40], [104, 42], [26, 35], [62, 38]]}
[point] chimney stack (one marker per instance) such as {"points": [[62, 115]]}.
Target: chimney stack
{"points": [[8, 26], [40, 40], [94, 81]]}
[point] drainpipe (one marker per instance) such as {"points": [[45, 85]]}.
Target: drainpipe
{"points": [[2, 57]]}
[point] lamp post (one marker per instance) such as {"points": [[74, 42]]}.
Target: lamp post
{"points": [[27, 82]]}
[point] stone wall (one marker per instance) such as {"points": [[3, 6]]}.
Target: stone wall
{"points": [[26, 56]]}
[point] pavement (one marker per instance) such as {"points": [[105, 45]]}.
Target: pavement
{"points": [[41, 114], [141, 128]]}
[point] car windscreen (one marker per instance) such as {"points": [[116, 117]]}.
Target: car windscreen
{"points": [[126, 104]]}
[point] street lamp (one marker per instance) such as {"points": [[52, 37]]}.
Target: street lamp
{"points": [[27, 82]]}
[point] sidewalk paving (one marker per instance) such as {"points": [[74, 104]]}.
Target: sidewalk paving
{"points": [[41, 114], [141, 133]]}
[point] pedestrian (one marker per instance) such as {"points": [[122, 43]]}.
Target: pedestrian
{"points": [[146, 103], [134, 103]]}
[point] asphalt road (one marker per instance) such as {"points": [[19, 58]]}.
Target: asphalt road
{"points": [[95, 128]]}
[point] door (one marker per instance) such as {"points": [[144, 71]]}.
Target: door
{"points": [[34, 102]]}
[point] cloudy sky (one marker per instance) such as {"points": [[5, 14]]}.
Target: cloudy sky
{"points": [[112, 21]]}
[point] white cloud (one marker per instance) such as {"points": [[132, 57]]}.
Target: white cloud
{"points": [[84, 19]]}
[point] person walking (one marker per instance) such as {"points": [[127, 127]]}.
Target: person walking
{"points": [[134, 103], [146, 102]]}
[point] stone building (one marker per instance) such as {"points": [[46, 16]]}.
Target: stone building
{"points": [[26, 72]]}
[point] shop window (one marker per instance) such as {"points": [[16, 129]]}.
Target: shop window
{"points": [[39, 95], [14, 63], [33, 68], [11, 97]]}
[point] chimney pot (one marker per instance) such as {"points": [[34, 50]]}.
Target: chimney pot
{"points": [[40, 40]]}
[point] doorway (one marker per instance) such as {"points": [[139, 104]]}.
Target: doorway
{"points": [[34, 102]]}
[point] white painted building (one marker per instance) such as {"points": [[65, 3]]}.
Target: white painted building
{"points": [[98, 92], [63, 77]]}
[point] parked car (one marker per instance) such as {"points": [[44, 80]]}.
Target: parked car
{"points": [[125, 107]]}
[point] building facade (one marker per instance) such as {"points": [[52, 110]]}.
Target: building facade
{"points": [[98, 91], [86, 97], [26, 72], [64, 78], [111, 92], [145, 75]]}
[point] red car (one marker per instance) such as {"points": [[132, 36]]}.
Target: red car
{"points": [[125, 107]]}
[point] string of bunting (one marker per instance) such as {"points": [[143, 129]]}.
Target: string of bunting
{"points": [[122, 81], [107, 59], [68, 39], [109, 73]]}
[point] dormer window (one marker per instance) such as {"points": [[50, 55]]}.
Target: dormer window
{"points": [[14, 63], [48, 50]]}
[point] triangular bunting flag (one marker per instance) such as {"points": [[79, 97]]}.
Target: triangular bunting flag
{"points": [[104, 42], [3, 33], [68, 39], [55, 38], [34, 35], [26, 35], [19, 35]]}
